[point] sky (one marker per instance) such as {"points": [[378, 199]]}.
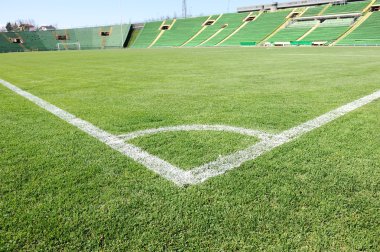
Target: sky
{"points": [[74, 13]]}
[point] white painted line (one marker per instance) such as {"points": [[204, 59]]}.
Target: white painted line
{"points": [[154, 163], [236, 159], [196, 127], [206, 171]]}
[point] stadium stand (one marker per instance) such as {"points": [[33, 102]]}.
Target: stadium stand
{"points": [[258, 29], [346, 8], [330, 30], [48, 39], [209, 28], [134, 35], [165, 25], [88, 38], [147, 35], [303, 24], [326, 23], [180, 32], [6, 44], [337, 22], [33, 41], [293, 31], [116, 36], [313, 11], [64, 37], [368, 33], [99, 37], [227, 24]]}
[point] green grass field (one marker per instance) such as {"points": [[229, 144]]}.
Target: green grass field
{"points": [[62, 190]]}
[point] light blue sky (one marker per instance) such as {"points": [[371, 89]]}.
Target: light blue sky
{"points": [[75, 13]]}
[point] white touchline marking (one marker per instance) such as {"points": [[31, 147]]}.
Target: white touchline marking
{"points": [[206, 171]]}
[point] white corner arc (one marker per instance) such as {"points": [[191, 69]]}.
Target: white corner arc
{"points": [[206, 171]]}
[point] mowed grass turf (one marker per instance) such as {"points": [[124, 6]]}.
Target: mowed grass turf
{"points": [[61, 189]]}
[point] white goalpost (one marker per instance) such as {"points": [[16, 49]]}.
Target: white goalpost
{"points": [[68, 46]]}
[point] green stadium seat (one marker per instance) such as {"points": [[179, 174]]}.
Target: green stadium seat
{"points": [[350, 7], [258, 29], [147, 35], [226, 25], [293, 31], [88, 38], [180, 32], [6, 45], [330, 30], [313, 11], [231, 29], [368, 33]]}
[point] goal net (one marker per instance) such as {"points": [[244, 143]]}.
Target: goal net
{"points": [[68, 46]]}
